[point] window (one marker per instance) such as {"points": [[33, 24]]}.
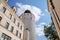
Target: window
{"points": [[10, 16], [14, 20], [31, 17], [5, 37], [21, 27], [27, 29], [6, 25], [3, 9], [12, 28], [16, 33], [18, 24], [0, 18], [20, 35]]}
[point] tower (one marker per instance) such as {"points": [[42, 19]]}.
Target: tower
{"points": [[29, 25]]}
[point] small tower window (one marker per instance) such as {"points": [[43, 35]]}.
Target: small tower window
{"points": [[26, 28]]}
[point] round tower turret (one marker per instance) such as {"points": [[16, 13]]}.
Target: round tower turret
{"points": [[29, 25]]}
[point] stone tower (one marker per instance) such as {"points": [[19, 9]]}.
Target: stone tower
{"points": [[29, 25]]}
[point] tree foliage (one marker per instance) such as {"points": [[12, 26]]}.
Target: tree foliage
{"points": [[50, 32]]}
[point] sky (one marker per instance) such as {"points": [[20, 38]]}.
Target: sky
{"points": [[39, 9]]}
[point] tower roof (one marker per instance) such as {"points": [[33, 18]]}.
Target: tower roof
{"points": [[27, 11]]}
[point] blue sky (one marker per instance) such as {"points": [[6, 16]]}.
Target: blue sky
{"points": [[39, 9]]}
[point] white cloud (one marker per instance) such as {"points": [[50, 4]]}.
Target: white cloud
{"points": [[42, 14], [36, 11], [40, 31], [46, 10], [41, 24]]}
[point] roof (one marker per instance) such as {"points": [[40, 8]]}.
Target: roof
{"points": [[27, 11]]}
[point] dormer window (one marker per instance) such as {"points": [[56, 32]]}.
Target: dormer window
{"points": [[14, 9]]}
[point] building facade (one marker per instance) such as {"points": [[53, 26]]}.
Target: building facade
{"points": [[13, 27], [54, 9]]}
